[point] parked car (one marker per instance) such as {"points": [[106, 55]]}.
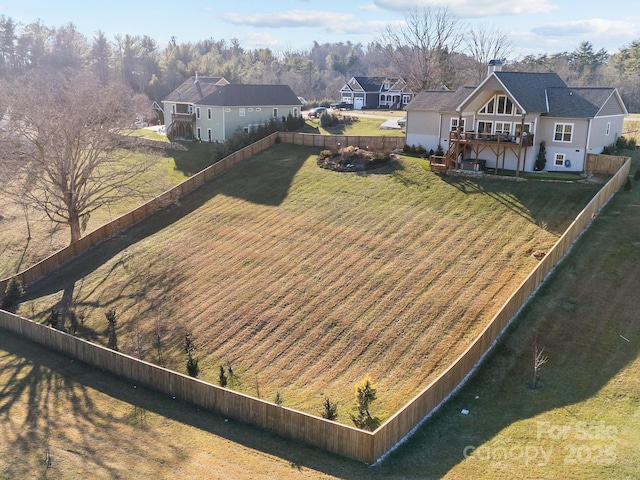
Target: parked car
{"points": [[316, 112], [402, 121], [342, 106]]}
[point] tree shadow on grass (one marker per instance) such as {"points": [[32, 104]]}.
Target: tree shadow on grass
{"points": [[47, 378], [532, 200], [580, 325]]}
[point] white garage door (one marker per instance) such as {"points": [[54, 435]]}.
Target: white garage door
{"points": [[357, 103]]}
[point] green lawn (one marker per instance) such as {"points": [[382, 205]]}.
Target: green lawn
{"points": [[305, 280], [584, 421], [19, 252]]}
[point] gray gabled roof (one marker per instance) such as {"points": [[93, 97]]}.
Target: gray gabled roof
{"points": [[239, 95], [375, 84], [439, 100], [529, 90], [577, 102], [195, 88]]}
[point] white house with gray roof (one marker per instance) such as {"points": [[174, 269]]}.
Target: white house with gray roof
{"points": [[500, 123], [215, 112]]}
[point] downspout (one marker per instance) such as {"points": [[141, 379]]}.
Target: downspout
{"points": [[224, 124], [586, 146]]}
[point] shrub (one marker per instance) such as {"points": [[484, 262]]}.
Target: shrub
{"points": [[627, 185], [636, 177], [439, 151], [329, 409], [541, 159], [12, 295], [192, 363], [279, 399], [365, 395], [223, 377], [621, 143]]}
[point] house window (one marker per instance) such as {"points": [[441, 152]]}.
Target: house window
{"points": [[488, 107], [227, 110], [559, 160], [505, 105], [503, 127], [406, 99], [197, 112], [241, 111], [275, 113], [519, 128], [608, 128], [209, 137], [209, 113], [198, 133], [250, 109], [500, 105], [454, 124], [485, 127], [563, 132], [173, 108], [258, 109], [295, 113]]}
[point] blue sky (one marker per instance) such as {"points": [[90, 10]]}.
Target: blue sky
{"points": [[534, 26]]}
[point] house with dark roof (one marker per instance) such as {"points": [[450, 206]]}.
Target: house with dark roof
{"points": [[211, 109], [376, 92], [501, 123]]}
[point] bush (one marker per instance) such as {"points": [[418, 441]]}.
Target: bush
{"points": [[636, 177], [621, 143], [541, 159], [329, 409], [223, 377], [365, 395], [12, 295], [627, 185], [192, 363]]}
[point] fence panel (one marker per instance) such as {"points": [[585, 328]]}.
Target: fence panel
{"points": [[337, 438]]}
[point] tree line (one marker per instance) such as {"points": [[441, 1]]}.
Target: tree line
{"points": [[433, 49]]}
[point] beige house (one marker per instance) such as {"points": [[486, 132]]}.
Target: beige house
{"points": [[500, 123], [211, 109]]}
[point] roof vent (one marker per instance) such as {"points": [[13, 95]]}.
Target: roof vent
{"points": [[494, 66]]}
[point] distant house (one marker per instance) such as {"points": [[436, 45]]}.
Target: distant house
{"points": [[211, 109], [376, 92], [501, 122]]}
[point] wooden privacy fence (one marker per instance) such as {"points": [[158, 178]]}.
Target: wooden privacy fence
{"points": [[605, 164], [334, 142], [348, 441], [172, 195], [400, 424], [125, 221], [334, 437]]}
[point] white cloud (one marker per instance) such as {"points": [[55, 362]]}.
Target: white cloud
{"points": [[372, 7], [292, 18], [594, 27], [472, 8]]}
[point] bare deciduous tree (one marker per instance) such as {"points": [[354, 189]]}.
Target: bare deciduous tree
{"points": [[61, 134], [484, 44], [419, 50]]}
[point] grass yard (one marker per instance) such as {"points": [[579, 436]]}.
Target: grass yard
{"points": [[19, 252], [96, 425], [304, 280], [361, 126]]}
